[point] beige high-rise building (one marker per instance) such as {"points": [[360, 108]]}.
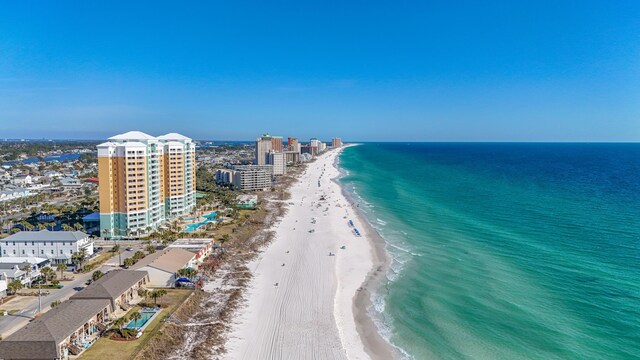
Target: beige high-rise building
{"points": [[144, 181], [336, 142], [293, 144], [264, 144]]}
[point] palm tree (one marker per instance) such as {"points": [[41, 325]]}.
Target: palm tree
{"points": [[120, 322], [66, 227], [14, 286], [187, 272], [47, 273], [150, 249], [105, 233], [78, 226], [79, 257], [27, 269], [157, 294], [143, 293], [61, 267], [135, 316]]}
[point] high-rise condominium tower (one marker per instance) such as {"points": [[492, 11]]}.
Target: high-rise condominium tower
{"points": [[293, 144], [144, 181], [276, 143], [264, 144]]}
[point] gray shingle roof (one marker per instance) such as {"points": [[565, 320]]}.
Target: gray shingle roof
{"points": [[46, 235], [169, 260], [111, 285], [39, 338]]}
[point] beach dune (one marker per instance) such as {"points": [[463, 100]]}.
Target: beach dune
{"points": [[300, 304]]}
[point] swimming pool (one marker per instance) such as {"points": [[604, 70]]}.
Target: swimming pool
{"points": [[208, 218], [143, 321]]}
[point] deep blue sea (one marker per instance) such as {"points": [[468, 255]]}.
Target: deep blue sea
{"points": [[505, 251]]}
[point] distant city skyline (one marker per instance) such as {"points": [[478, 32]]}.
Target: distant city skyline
{"points": [[361, 71]]}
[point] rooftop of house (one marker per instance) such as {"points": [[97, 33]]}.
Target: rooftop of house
{"points": [[169, 260], [111, 285], [46, 235], [39, 339]]}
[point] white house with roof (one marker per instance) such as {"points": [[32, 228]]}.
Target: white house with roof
{"points": [[57, 246], [22, 180], [162, 266]]}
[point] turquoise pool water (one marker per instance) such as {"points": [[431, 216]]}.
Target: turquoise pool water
{"points": [[136, 324], [193, 227]]}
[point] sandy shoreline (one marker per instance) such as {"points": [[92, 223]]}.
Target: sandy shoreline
{"points": [[318, 309]]}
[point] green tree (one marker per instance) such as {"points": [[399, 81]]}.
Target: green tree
{"points": [[97, 275], [187, 273], [128, 262], [27, 269], [61, 267], [143, 293], [55, 303], [79, 257], [150, 249], [135, 316], [138, 255], [14, 286], [120, 322], [157, 294], [47, 274]]}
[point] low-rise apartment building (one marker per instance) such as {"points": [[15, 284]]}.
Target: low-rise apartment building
{"points": [[120, 287], [57, 246], [59, 332]]}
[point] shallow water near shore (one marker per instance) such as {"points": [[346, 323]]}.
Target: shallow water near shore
{"points": [[505, 251]]}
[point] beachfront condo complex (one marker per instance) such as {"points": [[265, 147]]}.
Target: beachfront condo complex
{"points": [[144, 181]]}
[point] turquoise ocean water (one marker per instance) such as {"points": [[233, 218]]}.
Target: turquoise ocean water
{"points": [[505, 251]]}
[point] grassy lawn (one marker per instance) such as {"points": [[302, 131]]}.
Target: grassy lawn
{"points": [[109, 349]]}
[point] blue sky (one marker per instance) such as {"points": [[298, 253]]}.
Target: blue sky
{"points": [[366, 70]]}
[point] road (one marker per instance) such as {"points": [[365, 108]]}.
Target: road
{"points": [[12, 323]]}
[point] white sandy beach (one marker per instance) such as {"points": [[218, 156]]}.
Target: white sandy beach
{"points": [[310, 313]]}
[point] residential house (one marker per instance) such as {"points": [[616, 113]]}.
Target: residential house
{"points": [[162, 266], [70, 182], [14, 268], [57, 246], [22, 180], [200, 247]]}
